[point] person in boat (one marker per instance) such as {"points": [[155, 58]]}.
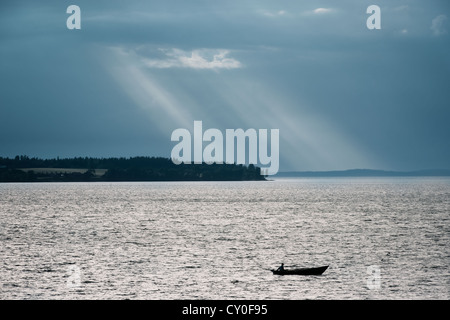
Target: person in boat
{"points": [[281, 268]]}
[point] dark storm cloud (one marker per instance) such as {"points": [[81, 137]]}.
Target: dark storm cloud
{"points": [[342, 96]]}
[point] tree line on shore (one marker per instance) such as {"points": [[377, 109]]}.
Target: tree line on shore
{"points": [[19, 169]]}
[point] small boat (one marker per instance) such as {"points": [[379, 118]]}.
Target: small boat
{"points": [[303, 271]]}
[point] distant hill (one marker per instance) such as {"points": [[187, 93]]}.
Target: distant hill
{"points": [[366, 173], [26, 169]]}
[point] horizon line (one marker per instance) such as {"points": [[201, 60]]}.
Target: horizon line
{"points": [[366, 172], [354, 171]]}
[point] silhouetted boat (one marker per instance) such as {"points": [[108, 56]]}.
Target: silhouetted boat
{"points": [[302, 271]]}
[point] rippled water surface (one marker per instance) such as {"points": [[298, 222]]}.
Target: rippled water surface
{"points": [[383, 238]]}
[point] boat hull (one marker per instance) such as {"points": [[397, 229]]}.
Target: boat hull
{"points": [[303, 271]]}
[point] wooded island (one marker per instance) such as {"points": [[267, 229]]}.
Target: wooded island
{"points": [[79, 169]]}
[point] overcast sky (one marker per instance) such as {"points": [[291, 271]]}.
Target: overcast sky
{"points": [[342, 96]]}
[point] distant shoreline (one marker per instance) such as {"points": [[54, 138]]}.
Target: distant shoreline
{"points": [[363, 173], [141, 168]]}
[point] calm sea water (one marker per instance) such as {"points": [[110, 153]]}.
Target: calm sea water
{"points": [[383, 238]]}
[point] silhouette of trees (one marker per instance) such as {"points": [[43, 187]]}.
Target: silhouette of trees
{"points": [[122, 169]]}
